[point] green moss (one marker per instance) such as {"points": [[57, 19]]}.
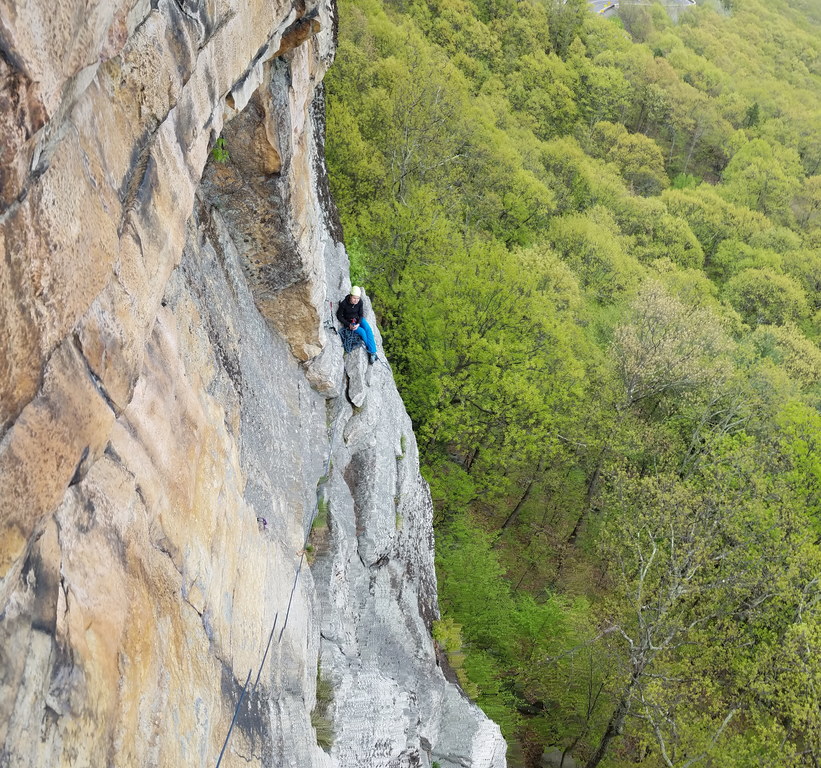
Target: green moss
{"points": [[320, 719], [323, 506]]}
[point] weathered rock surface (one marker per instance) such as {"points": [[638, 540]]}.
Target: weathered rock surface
{"points": [[173, 407]]}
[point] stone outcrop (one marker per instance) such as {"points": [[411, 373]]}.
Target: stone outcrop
{"points": [[175, 411]]}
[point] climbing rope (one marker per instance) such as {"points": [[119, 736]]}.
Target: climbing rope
{"points": [[296, 578], [314, 514], [265, 655], [234, 719]]}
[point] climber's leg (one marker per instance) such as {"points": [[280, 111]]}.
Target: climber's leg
{"points": [[366, 333]]}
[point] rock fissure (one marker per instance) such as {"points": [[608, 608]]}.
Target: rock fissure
{"points": [[98, 384], [135, 177], [181, 5]]}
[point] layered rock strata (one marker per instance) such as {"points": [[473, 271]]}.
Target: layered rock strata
{"points": [[175, 411]]}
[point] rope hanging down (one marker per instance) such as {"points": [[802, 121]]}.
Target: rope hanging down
{"points": [[287, 611], [234, 719]]}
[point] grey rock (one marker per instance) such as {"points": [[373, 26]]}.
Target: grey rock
{"points": [[356, 370], [391, 701], [325, 372], [173, 382]]}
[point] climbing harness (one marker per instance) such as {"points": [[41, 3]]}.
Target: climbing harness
{"points": [[350, 339]]}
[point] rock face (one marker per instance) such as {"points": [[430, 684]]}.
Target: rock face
{"points": [[175, 413]]}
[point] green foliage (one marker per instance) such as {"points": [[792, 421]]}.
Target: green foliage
{"points": [[711, 218], [692, 552], [685, 181], [791, 350], [320, 715], [448, 634], [219, 152], [641, 163], [324, 730], [358, 259], [507, 630], [764, 177], [656, 234], [591, 244], [764, 296], [732, 257], [799, 431], [319, 525], [599, 362], [805, 267]]}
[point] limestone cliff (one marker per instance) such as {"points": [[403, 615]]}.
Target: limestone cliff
{"points": [[175, 410]]}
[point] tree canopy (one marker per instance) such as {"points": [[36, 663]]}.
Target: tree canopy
{"points": [[594, 250]]}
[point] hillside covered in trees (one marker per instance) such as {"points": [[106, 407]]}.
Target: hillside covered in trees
{"points": [[594, 248]]}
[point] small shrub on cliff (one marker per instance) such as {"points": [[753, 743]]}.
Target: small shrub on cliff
{"points": [[448, 634], [321, 519], [219, 152], [320, 719]]}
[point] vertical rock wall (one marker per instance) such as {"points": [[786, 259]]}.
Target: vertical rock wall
{"points": [[173, 407]]}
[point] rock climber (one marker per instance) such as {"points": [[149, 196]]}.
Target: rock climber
{"points": [[350, 314]]}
